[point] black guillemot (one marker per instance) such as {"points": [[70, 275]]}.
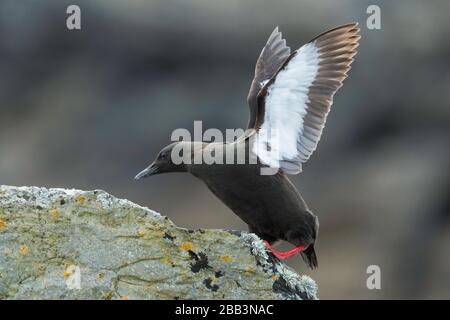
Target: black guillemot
{"points": [[291, 94]]}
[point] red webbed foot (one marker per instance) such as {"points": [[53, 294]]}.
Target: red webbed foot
{"points": [[284, 255]]}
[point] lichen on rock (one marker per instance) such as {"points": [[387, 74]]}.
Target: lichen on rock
{"points": [[72, 244]]}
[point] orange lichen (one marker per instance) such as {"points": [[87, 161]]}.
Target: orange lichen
{"points": [[80, 200], [187, 246], [226, 259], [2, 224], [275, 277], [23, 250]]}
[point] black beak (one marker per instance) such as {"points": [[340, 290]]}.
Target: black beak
{"points": [[147, 172]]}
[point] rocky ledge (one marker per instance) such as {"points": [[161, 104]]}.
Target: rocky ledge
{"points": [[72, 244]]}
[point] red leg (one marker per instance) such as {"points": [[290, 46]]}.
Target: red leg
{"points": [[284, 255]]}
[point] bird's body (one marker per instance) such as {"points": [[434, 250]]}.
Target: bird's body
{"points": [[289, 99], [270, 204]]}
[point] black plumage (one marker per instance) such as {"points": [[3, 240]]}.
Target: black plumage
{"points": [[286, 87]]}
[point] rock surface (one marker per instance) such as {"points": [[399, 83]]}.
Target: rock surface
{"points": [[71, 244]]}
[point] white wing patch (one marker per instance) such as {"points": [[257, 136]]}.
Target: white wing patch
{"points": [[287, 99], [294, 104]]}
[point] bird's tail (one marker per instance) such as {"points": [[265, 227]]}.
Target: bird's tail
{"points": [[309, 256]]}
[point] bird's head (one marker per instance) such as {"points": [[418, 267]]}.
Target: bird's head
{"points": [[163, 163]]}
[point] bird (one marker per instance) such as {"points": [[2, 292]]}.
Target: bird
{"points": [[290, 96]]}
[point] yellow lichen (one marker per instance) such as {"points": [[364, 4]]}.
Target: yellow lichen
{"points": [[187, 246], [141, 232], [2, 224], [40, 268], [168, 261], [69, 270], [125, 298], [80, 200], [226, 259], [275, 277], [55, 213], [160, 233], [23, 250], [108, 296], [249, 270]]}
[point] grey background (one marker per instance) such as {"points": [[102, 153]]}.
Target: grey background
{"points": [[88, 109]]}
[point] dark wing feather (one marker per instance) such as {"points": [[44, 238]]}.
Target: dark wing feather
{"points": [[297, 99], [272, 57]]}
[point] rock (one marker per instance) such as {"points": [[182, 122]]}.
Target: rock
{"points": [[71, 244]]}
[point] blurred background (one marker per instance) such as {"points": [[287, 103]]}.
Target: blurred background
{"points": [[89, 109]]}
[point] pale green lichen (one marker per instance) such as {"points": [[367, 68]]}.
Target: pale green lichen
{"points": [[302, 283], [125, 250]]}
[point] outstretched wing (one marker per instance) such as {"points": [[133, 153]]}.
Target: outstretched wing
{"points": [[272, 57], [295, 103]]}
